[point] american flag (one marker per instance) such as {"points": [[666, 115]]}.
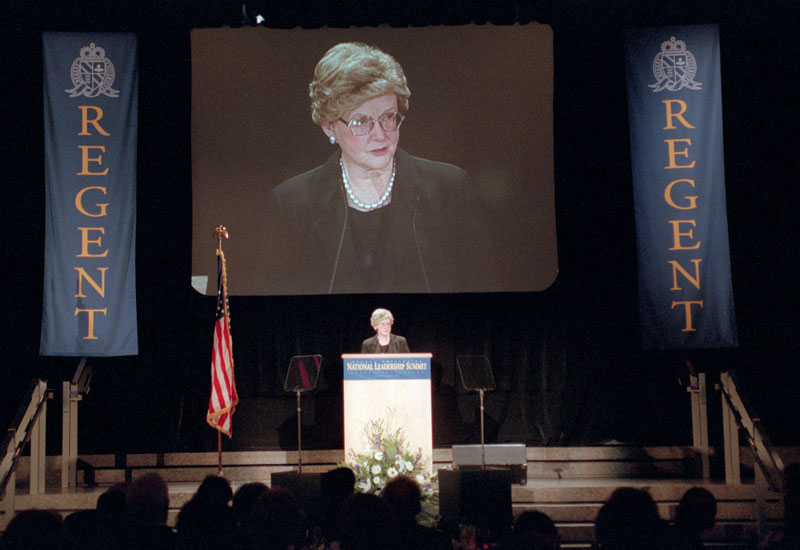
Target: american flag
{"points": [[223, 389]]}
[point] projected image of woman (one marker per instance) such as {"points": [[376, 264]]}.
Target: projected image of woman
{"points": [[372, 218]]}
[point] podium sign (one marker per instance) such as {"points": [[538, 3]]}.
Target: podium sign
{"points": [[394, 388]]}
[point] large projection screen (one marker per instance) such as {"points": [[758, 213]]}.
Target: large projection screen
{"points": [[481, 99]]}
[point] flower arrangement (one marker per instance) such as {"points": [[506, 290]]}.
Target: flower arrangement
{"points": [[386, 455]]}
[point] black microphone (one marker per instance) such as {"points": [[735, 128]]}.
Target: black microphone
{"points": [[339, 249], [416, 243]]}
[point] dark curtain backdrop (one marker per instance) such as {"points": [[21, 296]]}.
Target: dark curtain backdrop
{"points": [[567, 361]]}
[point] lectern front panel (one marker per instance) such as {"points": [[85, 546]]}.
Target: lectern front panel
{"points": [[392, 388]]}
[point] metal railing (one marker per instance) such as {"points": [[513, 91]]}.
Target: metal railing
{"points": [[736, 416], [28, 426], [768, 464]]}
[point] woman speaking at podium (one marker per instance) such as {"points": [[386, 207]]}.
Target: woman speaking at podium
{"points": [[383, 341]]}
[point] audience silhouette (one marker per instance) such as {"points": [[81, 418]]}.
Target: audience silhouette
{"points": [[787, 538], [695, 515], [243, 500], [405, 498], [366, 522], [206, 522], [36, 530], [257, 517], [147, 506], [534, 530], [630, 521], [275, 521], [105, 526], [335, 487]]}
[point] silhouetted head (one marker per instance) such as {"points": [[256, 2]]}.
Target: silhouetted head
{"points": [[629, 521], [147, 500], [244, 498], [367, 523], [405, 498], [275, 520], [696, 510], [111, 503], [537, 524], [214, 491], [336, 485], [35, 530]]}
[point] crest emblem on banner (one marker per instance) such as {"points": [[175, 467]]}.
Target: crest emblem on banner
{"points": [[92, 73], [674, 67]]}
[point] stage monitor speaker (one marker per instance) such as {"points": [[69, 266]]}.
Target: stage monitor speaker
{"points": [[507, 455], [478, 497], [449, 493], [306, 489]]}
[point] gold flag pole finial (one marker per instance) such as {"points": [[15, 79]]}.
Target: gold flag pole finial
{"points": [[220, 232]]}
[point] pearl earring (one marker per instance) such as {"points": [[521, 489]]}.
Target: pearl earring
{"points": [[333, 140]]}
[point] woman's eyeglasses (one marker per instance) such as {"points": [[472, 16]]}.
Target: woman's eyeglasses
{"points": [[361, 125]]}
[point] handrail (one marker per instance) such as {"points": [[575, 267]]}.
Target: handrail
{"points": [[19, 432], [82, 379], [764, 454]]}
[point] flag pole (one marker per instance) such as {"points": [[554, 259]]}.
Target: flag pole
{"points": [[224, 398], [219, 453], [220, 232]]}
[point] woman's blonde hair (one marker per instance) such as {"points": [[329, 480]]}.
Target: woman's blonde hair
{"points": [[351, 73], [379, 315]]}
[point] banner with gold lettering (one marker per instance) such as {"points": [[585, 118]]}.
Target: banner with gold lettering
{"points": [[675, 116], [90, 135]]}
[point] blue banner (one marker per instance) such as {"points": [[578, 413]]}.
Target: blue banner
{"points": [[90, 131], [675, 115], [391, 367]]}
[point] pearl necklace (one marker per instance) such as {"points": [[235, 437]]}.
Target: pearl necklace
{"points": [[356, 201]]}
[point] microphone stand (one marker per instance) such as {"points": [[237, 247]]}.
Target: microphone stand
{"points": [[483, 446], [299, 435]]}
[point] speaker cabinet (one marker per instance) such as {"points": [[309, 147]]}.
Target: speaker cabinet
{"points": [[478, 497], [507, 455]]}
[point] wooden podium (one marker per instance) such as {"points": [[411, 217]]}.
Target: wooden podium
{"points": [[394, 388]]}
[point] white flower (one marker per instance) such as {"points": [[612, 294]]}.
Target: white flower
{"points": [[365, 484], [377, 481], [368, 449], [378, 455], [391, 472], [401, 466], [420, 479], [376, 469], [409, 466]]}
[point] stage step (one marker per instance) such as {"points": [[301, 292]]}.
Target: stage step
{"points": [[570, 484], [613, 461], [606, 461]]}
